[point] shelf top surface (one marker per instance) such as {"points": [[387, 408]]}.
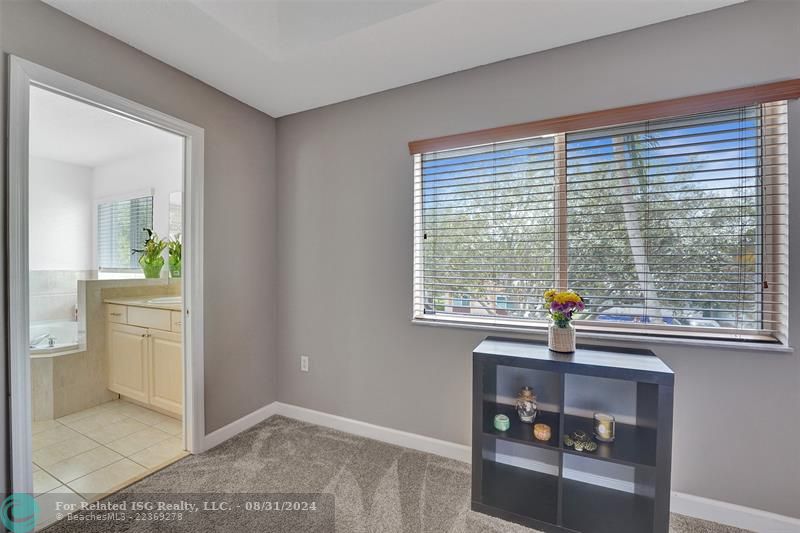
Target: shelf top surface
{"points": [[624, 363]]}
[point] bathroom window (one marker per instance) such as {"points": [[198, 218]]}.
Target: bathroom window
{"points": [[120, 229]]}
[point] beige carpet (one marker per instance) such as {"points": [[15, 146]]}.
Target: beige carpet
{"points": [[376, 486]]}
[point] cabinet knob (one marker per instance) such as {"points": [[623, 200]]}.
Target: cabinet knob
{"points": [[115, 314]]}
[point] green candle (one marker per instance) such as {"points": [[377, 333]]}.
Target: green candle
{"points": [[501, 423]]}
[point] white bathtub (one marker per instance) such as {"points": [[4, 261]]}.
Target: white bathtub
{"points": [[63, 332]]}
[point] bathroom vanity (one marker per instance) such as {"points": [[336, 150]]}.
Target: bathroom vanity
{"points": [[145, 353]]}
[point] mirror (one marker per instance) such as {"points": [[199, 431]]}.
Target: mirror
{"points": [[175, 214]]}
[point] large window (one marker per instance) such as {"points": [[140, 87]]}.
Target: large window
{"points": [[670, 226], [120, 229]]}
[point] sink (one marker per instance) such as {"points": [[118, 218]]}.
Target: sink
{"points": [[166, 300]]}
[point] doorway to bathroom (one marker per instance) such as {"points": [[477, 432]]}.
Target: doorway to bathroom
{"points": [[105, 278]]}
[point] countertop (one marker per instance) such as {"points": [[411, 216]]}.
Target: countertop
{"points": [[145, 301]]}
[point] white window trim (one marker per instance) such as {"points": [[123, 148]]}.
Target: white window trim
{"points": [[538, 331]]}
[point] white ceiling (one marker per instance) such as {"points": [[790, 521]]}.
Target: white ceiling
{"points": [[285, 56], [67, 130]]}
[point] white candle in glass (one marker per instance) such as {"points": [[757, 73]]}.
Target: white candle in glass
{"points": [[604, 427]]}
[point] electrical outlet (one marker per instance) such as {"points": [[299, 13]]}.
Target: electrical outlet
{"points": [[303, 363]]}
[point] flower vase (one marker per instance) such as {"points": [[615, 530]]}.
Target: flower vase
{"points": [[152, 267], [175, 264], [561, 338]]}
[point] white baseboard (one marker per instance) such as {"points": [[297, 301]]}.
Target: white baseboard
{"points": [[224, 433], [681, 503], [459, 452], [732, 515]]}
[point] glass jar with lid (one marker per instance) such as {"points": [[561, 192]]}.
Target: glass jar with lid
{"points": [[526, 405]]}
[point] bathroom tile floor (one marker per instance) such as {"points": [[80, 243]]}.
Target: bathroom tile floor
{"points": [[89, 453]]}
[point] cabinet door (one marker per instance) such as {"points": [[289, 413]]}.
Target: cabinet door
{"points": [[166, 371], [127, 361]]}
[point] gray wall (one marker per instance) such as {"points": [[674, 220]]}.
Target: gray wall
{"points": [[345, 245], [240, 193]]}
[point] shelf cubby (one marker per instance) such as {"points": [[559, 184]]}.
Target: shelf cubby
{"points": [[520, 432], [621, 487], [588, 507], [521, 492], [634, 445]]}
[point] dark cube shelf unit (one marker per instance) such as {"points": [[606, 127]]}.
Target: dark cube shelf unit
{"points": [[554, 501]]}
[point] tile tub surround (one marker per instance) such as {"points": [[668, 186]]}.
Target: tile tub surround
{"points": [[54, 293], [92, 451], [42, 388]]}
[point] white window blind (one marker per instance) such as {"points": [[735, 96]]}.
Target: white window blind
{"points": [[671, 226], [120, 229], [484, 224]]}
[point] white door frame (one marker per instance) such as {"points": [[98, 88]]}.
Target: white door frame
{"points": [[22, 75]]}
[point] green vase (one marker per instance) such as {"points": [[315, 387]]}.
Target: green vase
{"points": [[175, 266], [151, 267]]}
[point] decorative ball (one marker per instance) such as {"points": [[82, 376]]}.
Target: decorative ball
{"points": [[542, 432]]}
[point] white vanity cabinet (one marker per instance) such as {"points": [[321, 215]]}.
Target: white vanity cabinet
{"points": [[166, 371], [128, 361], [145, 356]]}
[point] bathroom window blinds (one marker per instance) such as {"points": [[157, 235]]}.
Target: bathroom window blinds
{"points": [[670, 226], [120, 228]]}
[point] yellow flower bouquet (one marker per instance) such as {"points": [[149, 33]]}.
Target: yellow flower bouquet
{"points": [[561, 305]]}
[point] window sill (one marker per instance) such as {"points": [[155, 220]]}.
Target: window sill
{"points": [[540, 333]]}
